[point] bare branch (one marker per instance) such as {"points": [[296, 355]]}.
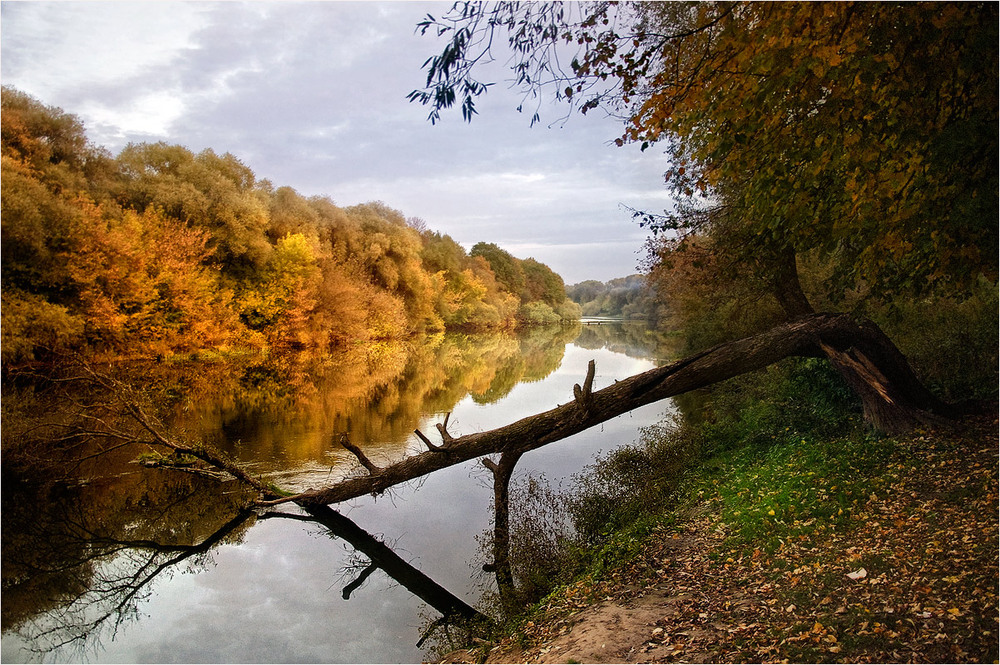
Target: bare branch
{"points": [[365, 462], [427, 442]]}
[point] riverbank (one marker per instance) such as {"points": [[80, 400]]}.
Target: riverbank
{"points": [[846, 549]]}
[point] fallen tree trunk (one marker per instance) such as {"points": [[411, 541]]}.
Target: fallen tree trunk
{"points": [[893, 398]]}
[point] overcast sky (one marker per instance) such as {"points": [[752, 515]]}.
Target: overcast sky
{"points": [[313, 96]]}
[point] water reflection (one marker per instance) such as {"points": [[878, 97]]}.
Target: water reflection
{"points": [[81, 554], [286, 414], [632, 338], [381, 556], [85, 584], [78, 559]]}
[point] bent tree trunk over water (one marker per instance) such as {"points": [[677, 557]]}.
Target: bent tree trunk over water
{"points": [[893, 398]]}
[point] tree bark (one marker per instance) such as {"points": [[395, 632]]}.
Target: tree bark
{"points": [[893, 398], [502, 473]]}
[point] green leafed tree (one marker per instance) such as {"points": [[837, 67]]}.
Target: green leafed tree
{"points": [[542, 284], [508, 270]]}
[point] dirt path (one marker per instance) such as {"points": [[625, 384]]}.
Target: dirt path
{"points": [[635, 628], [657, 622], [928, 591]]}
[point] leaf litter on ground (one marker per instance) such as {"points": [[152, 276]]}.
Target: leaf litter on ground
{"points": [[908, 573]]}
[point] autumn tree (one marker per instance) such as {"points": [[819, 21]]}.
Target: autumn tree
{"points": [[389, 249], [865, 134], [162, 250], [79, 272], [468, 293], [47, 162], [289, 212], [281, 298], [508, 270], [696, 296], [213, 192], [541, 291], [542, 284], [862, 131]]}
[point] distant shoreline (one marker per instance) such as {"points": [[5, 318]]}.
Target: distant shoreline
{"points": [[606, 319]]}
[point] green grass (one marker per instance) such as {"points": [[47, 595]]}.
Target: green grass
{"points": [[750, 460], [792, 488]]}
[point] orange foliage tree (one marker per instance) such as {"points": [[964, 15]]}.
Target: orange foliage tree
{"points": [[141, 281], [161, 250]]}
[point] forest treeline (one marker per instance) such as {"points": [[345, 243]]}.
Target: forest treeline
{"points": [[631, 297], [160, 250]]}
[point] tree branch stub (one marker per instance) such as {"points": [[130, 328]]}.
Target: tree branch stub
{"points": [[443, 429], [349, 589], [357, 452], [582, 396], [427, 442]]}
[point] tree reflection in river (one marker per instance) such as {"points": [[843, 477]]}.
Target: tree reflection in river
{"points": [[101, 580], [632, 338], [81, 549], [78, 559], [280, 417], [286, 413]]}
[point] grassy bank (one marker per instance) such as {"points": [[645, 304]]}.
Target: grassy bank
{"points": [[776, 527]]}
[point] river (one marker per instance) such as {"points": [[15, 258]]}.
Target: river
{"points": [[123, 563]]}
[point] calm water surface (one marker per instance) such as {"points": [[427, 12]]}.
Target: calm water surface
{"points": [[118, 566]]}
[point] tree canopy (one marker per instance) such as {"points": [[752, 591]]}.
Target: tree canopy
{"points": [[861, 134], [162, 250]]}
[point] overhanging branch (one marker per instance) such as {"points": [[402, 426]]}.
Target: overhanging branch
{"points": [[801, 337]]}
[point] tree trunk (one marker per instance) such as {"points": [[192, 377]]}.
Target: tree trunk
{"points": [[502, 473], [787, 288], [893, 398]]}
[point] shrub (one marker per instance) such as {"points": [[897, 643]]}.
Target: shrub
{"points": [[631, 482], [954, 349], [538, 312]]}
